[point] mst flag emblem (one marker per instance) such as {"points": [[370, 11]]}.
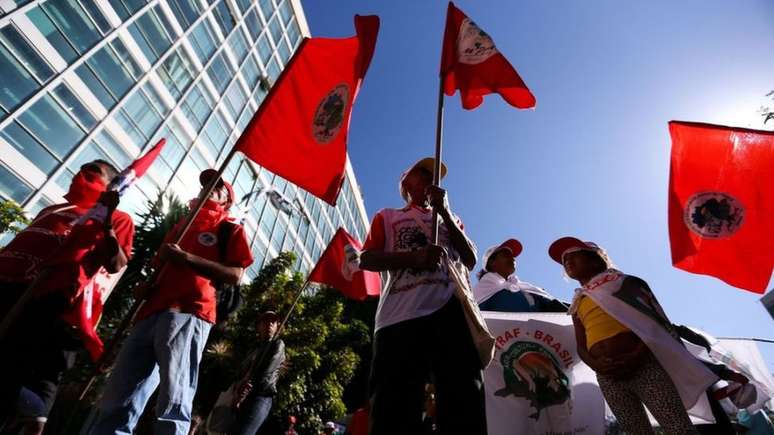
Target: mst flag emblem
{"points": [[713, 215], [329, 115], [473, 44]]}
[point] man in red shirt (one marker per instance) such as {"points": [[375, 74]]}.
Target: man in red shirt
{"points": [[59, 257], [165, 346]]}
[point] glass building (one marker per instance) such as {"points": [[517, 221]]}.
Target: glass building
{"points": [[88, 79]]}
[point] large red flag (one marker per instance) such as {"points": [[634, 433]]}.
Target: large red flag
{"points": [[721, 203], [300, 131], [339, 268], [471, 63]]}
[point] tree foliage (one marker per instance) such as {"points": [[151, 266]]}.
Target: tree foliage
{"points": [[11, 214]]}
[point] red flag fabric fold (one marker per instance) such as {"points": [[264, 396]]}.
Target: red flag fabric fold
{"points": [[721, 203], [471, 63], [300, 131], [339, 268]]}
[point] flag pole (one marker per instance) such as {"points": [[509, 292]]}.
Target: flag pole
{"points": [[204, 193], [438, 150]]}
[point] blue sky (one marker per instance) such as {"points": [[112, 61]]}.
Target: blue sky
{"points": [[593, 159]]}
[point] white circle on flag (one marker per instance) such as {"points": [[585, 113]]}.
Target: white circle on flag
{"points": [[351, 263], [473, 44], [713, 215]]}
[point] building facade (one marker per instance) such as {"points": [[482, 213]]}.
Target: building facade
{"points": [[88, 79]]}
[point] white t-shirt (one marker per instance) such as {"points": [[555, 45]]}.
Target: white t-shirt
{"points": [[409, 293]]}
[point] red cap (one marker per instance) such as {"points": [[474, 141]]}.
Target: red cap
{"points": [[560, 246], [206, 175], [512, 245]]}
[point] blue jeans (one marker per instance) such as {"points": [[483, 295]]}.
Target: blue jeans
{"points": [[163, 350], [251, 415]]}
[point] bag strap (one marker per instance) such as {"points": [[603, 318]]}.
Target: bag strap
{"points": [[225, 230]]}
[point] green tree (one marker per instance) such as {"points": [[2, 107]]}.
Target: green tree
{"points": [[322, 345], [11, 214]]}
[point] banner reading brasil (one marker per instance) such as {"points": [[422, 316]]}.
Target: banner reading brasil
{"points": [[537, 383]]}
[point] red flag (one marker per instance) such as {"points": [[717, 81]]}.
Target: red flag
{"points": [[300, 131], [339, 268], [721, 203], [471, 63]]}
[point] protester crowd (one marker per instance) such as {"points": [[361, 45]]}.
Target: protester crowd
{"points": [[426, 373]]}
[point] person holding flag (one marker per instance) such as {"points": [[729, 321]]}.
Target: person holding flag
{"points": [[165, 346], [623, 335], [499, 289], [43, 271], [421, 330]]}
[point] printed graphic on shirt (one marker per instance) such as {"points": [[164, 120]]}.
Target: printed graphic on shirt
{"points": [[208, 239], [410, 237]]}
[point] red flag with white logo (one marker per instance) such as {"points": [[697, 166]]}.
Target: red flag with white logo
{"points": [[471, 62], [300, 130], [721, 203], [339, 267]]}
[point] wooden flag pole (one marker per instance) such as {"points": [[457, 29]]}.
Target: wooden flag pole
{"points": [[127, 321], [438, 154]]}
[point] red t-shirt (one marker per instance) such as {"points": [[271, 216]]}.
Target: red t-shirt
{"points": [[182, 288], [73, 252]]}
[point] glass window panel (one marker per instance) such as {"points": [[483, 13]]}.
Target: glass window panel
{"points": [[247, 115], [251, 72], [220, 72], [267, 7], [235, 99], [74, 23], [276, 29], [203, 40], [253, 24], [264, 48], [128, 61], [17, 84], [150, 27], [18, 138], [96, 15], [52, 34], [106, 65], [139, 39], [224, 18], [12, 186], [175, 72], [47, 121], [259, 94], [110, 145], [197, 106], [284, 51], [74, 106], [26, 55], [155, 99], [186, 11], [216, 133], [96, 86], [286, 11], [140, 110], [239, 45], [244, 5], [128, 126], [294, 33], [126, 8], [273, 69]]}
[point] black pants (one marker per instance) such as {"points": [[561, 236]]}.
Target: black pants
{"points": [[38, 348], [408, 355]]}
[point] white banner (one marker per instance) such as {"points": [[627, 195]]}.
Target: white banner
{"points": [[536, 383]]}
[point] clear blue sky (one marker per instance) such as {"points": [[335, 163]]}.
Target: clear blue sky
{"points": [[593, 159]]}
